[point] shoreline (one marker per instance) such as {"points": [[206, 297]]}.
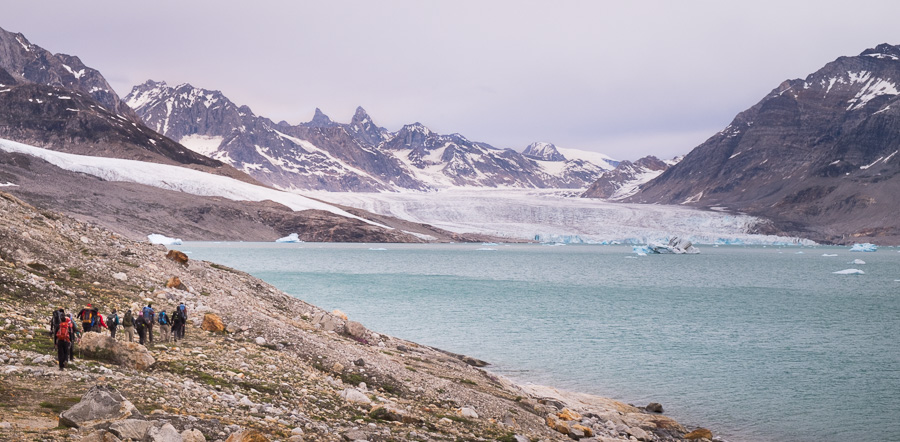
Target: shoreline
{"points": [[254, 359]]}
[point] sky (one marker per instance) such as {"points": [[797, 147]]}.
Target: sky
{"points": [[627, 79]]}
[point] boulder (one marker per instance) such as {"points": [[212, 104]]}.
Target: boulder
{"points": [[581, 429], [356, 396], [213, 323], [177, 256], [193, 435], [468, 413], [105, 348], [247, 436], [339, 314], [654, 407], [700, 433], [165, 433], [131, 428], [101, 404], [357, 331], [120, 276], [328, 322], [175, 283]]}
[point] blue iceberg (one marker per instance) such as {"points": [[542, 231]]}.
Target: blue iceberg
{"points": [[864, 247], [292, 238]]}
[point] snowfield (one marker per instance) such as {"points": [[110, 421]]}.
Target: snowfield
{"points": [[169, 177], [549, 216]]}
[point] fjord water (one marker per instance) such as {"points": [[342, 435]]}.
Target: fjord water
{"points": [[756, 343]]}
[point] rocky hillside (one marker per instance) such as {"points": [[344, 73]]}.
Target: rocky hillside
{"points": [[625, 180], [31, 63], [325, 155], [256, 363], [818, 155]]}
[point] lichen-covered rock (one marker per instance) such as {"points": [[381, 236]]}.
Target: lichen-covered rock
{"points": [[700, 433], [134, 429], [101, 404], [568, 415], [212, 322], [175, 283], [177, 256]]}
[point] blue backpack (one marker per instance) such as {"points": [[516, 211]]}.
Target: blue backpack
{"points": [[148, 315], [163, 318]]}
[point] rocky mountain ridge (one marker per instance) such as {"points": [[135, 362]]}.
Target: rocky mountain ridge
{"points": [[818, 156], [31, 63], [256, 364], [325, 155], [627, 177]]}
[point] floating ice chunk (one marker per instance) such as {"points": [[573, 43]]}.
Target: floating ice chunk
{"points": [[292, 238], [849, 272], [676, 245], [156, 238], [377, 248], [641, 250], [857, 261], [864, 247], [799, 253], [487, 249], [829, 254]]}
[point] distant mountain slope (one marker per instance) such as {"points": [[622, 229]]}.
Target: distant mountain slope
{"points": [[325, 155], [625, 180], [818, 156], [31, 63]]}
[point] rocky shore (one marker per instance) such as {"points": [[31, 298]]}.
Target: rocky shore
{"points": [[256, 364]]}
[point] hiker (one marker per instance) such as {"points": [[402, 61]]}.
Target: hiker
{"points": [[65, 334], [113, 323], [149, 316], [177, 324], [164, 325], [182, 312], [86, 315], [99, 323], [77, 334], [128, 325], [59, 316], [140, 324]]}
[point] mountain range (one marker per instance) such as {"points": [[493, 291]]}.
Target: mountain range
{"points": [[815, 158], [358, 156]]}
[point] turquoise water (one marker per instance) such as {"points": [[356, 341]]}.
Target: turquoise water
{"points": [[756, 343]]}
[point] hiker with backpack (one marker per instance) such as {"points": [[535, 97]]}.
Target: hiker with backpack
{"points": [[164, 325], [140, 325], [128, 325], [65, 336], [149, 316], [113, 323], [77, 334], [59, 316], [88, 318], [177, 324]]}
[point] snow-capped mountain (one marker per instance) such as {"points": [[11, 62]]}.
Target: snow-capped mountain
{"points": [[625, 180], [543, 152], [818, 155], [30, 63], [326, 155]]}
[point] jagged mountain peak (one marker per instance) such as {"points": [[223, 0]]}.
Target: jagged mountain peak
{"points": [[883, 50], [320, 120], [360, 115], [543, 151]]}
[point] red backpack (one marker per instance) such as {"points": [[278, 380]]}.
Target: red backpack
{"points": [[64, 330]]}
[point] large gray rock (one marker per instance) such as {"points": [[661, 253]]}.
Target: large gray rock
{"points": [[165, 433], [126, 354], [357, 331], [328, 322], [131, 428], [101, 404], [193, 435], [101, 436]]}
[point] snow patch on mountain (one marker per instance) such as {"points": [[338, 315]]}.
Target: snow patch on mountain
{"points": [[202, 144], [170, 177], [601, 160]]}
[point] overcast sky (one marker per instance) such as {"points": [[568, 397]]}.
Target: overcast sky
{"points": [[624, 78]]}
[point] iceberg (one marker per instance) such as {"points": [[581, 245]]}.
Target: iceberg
{"points": [[292, 238], [676, 246], [829, 254], [864, 247], [156, 238], [849, 272], [857, 261]]}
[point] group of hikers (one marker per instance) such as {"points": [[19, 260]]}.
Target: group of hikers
{"points": [[65, 331]]}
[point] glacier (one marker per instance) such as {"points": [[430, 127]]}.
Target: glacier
{"points": [[554, 216]]}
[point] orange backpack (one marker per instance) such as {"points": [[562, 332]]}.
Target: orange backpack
{"points": [[63, 333]]}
